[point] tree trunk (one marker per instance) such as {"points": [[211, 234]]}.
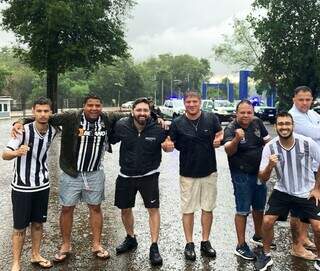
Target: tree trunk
{"points": [[52, 88]]}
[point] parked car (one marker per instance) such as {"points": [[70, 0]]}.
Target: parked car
{"points": [[266, 113], [172, 108], [316, 106], [127, 105], [224, 109]]}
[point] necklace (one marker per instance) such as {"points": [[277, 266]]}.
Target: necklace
{"points": [[195, 124]]}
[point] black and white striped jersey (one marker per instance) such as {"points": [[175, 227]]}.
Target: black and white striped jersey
{"points": [[91, 144], [294, 168], [31, 170]]}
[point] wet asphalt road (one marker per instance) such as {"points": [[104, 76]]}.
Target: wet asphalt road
{"points": [[171, 244]]}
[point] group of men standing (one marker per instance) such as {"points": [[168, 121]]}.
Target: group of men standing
{"points": [[88, 133], [252, 156]]}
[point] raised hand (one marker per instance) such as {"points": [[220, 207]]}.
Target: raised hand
{"points": [[167, 145]]}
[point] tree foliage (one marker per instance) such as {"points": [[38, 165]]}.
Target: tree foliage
{"points": [[167, 73], [288, 32], [241, 48], [58, 36]]}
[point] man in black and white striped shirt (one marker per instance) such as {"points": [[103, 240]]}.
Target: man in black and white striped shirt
{"points": [[297, 190], [30, 186]]}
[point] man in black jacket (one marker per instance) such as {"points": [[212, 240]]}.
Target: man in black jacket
{"points": [[140, 156]]}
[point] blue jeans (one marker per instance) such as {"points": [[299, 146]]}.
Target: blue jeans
{"points": [[248, 193]]}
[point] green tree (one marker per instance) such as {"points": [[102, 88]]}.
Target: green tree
{"points": [[20, 85], [167, 73], [241, 48], [288, 33], [57, 36]]}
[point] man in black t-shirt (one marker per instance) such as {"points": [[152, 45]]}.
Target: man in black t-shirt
{"points": [[195, 135], [244, 139]]}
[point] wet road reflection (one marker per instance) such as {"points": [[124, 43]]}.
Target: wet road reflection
{"points": [[171, 242]]}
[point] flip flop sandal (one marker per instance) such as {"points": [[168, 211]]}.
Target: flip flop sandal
{"points": [[43, 263], [101, 254], [307, 255], [311, 246], [61, 256]]}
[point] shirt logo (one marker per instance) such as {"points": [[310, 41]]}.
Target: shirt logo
{"points": [[257, 132], [150, 138]]}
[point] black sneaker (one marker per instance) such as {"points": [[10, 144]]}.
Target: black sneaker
{"points": [[244, 252], [317, 264], [257, 240], [189, 252], [128, 244], [154, 255], [207, 250], [263, 262]]}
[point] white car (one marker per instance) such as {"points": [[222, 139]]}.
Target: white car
{"points": [[127, 105], [224, 109], [172, 108]]}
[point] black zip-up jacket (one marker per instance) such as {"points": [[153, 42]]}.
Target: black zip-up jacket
{"points": [[140, 153]]}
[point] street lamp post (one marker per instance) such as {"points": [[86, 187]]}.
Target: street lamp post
{"points": [[119, 85]]}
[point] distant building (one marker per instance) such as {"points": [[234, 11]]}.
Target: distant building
{"points": [[5, 109]]}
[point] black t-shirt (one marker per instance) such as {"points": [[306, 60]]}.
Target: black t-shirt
{"points": [[248, 155], [194, 140]]}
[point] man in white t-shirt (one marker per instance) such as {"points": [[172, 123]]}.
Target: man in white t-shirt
{"points": [[297, 190], [307, 123]]}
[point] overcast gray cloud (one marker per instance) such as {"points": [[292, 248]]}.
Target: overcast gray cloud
{"points": [[182, 26], [177, 27]]}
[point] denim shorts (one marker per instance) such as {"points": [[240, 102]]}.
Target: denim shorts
{"points": [[87, 187], [248, 193]]}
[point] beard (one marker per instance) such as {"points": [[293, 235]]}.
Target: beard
{"points": [[140, 121], [285, 137]]}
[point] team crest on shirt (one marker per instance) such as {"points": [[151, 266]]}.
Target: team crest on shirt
{"points": [[257, 132]]}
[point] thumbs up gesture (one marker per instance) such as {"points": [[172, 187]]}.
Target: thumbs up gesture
{"points": [[167, 145]]}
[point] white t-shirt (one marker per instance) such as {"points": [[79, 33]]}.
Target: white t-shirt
{"points": [[294, 168], [307, 124]]}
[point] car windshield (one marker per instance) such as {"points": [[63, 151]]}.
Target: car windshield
{"points": [[177, 103], [225, 103]]}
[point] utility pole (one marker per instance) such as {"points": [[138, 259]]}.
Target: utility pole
{"points": [[171, 86], [162, 91]]}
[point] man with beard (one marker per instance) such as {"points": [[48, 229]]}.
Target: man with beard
{"points": [[297, 190], [140, 156], [307, 123], [196, 134], [244, 140]]}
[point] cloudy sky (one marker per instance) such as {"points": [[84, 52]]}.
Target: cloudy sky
{"points": [[177, 27], [182, 26]]}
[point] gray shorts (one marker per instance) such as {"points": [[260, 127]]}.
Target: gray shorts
{"points": [[87, 187]]}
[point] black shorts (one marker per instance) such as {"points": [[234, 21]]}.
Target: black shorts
{"points": [[126, 190], [293, 213], [280, 204], [29, 207]]}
